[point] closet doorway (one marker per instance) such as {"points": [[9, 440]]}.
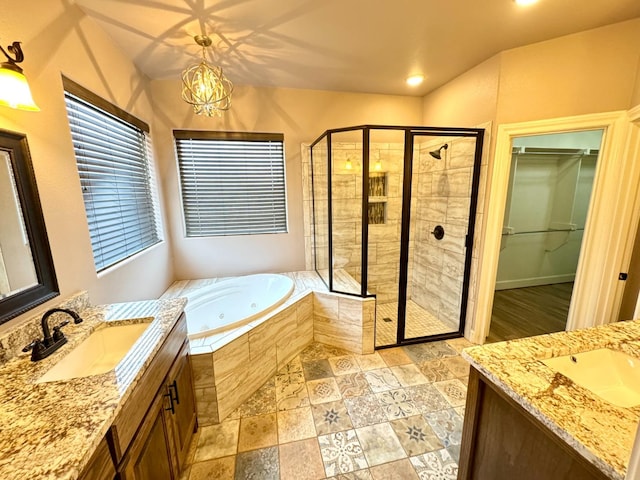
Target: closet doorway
{"points": [[550, 184]]}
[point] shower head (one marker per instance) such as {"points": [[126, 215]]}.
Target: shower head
{"points": [[436, 153]]}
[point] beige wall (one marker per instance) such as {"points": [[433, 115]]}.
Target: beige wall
{"points": [[58, 38], [302, 115]]}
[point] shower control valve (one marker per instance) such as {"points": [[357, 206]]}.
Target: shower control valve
{"points": [[438, 232]]}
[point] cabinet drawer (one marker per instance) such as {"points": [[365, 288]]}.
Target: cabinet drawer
{"points": [[128, 420]]}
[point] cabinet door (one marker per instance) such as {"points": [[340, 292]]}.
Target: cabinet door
{"points": [[182, 418], [149, 457], [100, 466]]}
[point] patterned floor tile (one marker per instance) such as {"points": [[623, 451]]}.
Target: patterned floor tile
{"points": [[457, 365], [394, 356], [344, 365], [318, 351], [460, 411], [316, 369], [454, 391], [397, 404], [419, 353], [292, 396], [323, 390], [436, 465], [415, 435], [400, 469], [258, 432], [458, 344], [294, 425], [218, 469], [454, 451], [353, 385], [441, 349], [341, 452], [365, 410], [331, 417], [381, 380], [370, 362], [217, 441], [282, 380], [380, 444], [436, 371], [408, 375], [447, 425], [261, 402], [427, 398], [262, 464], [358, 475], [301, 461], [294, 366]]}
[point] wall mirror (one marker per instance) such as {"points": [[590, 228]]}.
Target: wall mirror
{"points": [[27, 276]]}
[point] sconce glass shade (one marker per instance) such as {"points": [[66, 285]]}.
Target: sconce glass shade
{"points": [[14, 89]]}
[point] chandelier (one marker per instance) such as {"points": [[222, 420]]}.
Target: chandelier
{"points": [[205, 86]]}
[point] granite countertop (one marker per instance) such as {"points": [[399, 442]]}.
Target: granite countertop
{"points": [[601, 432], [50, 430]]}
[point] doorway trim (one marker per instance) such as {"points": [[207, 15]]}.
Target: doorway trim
{"points": [[605, 250]]}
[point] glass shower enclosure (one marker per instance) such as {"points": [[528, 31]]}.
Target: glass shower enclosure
{"points": [[394, 213]]}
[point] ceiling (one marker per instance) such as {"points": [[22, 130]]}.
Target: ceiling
{"points": [[346, 45]]}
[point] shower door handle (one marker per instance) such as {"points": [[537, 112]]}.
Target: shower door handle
{"points": [[438, 232]]}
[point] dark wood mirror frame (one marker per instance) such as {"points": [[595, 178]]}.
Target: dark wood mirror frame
{"points": [[15, 145]]}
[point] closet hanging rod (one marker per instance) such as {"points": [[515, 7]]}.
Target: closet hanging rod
{"points": [[553, 230], [554, 151]]}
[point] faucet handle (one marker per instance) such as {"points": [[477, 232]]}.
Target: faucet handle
{"points": [[57, 333], [34, 346]]}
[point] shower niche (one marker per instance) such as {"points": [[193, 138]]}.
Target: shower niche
{"points": [[378, 192]]}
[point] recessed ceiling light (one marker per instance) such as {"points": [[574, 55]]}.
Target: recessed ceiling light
{"points": [[525, 2], [415, 80]]}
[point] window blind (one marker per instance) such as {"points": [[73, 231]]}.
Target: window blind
{"points": [[232, 183], [113, 158]]}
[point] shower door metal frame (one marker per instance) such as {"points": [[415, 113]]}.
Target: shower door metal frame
{"points": [[410, 132], [410, 135]]}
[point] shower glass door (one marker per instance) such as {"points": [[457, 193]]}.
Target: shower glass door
{"points": [[437, 232]]}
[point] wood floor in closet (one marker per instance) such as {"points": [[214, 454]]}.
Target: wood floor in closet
{"points": [[529, 311]]}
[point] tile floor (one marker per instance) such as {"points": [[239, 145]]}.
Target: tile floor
{"points": [[395, 414], [419, 323]]}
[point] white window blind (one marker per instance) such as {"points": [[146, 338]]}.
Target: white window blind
{"points": [[232, 183], [113, 158]]}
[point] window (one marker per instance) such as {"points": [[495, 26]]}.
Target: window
{"points": [[232, 183], [113, 157]]}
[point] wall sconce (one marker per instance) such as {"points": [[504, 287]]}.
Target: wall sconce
{"points": [[14, 89], [348, 165], [378, 165]]}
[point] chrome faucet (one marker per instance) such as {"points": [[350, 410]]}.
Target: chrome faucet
{"points": [[50, 343]]}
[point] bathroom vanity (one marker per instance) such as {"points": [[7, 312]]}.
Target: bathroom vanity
{"points": [[134, 421], [526, 420]]}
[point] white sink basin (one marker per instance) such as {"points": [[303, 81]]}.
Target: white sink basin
{"points": [[614, 376], [99, 353]]}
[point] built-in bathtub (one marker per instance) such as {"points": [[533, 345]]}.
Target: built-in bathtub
{"points": [[232, 303]]}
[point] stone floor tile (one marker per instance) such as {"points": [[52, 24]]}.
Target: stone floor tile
{"points": [[400, 469], [454, 391], [294, 366], [457, 365], [353, 384], [460, 411], [293, 395], [301, 461], [427, 398], [381, 380], [380, 444], [419, 353], [217, 441], [261, 402], [318, 351], [447, 425], [341, 453], [415, 435], [365, 410], [370, 362], [454, 451], [364, 474], [458, 344], [344, 365], [331, 417], [435, 465], [258, 432], [408, 375], [262, 464], [316, 369], [323, 390], [218, 469], [394, 356], [436, 370], [441, 349], [294, 425], [397, 404]]}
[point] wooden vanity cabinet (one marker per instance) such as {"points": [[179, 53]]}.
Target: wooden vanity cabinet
{"points": [[502, 441], [101, 465]]}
